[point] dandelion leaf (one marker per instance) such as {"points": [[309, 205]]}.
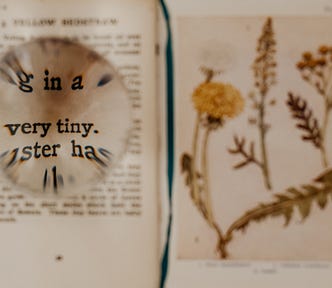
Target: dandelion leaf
{"points": [[288, 213], [322, 200], [304, 208], [285, 203]]}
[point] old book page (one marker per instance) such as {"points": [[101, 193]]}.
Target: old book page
{"points": [[109, 236], [252, 187]]}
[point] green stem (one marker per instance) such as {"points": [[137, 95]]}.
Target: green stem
{"points": [[194, 159], [262, 130], [206, 189]]}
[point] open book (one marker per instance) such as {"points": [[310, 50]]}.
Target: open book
{"points": [[227, 178], [108, 237]]}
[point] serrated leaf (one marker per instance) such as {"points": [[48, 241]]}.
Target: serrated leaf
{"points": [[242, 228], [282, 197], [277, 213], [305, 119], [326, 177], [322, 200], [286, 204], [295, 192], [288, 213], [301, 126], [311, 189], [304, 208]]}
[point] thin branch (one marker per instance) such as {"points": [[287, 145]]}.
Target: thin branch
{"points": [[249, 156]]}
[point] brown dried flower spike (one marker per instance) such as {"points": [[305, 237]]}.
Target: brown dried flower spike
{"points": [[264, 64], [264, 68]]}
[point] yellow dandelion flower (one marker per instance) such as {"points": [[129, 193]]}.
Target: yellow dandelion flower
{"points": [[218, 100]]}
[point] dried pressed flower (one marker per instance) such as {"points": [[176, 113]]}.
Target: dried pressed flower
{"points": [[307, 56], [218, 100], [321, 62], [301, 65], [285, 204], [264, 65], [265, 76], [316, 68], [306, 121], [312, 64], [323, 49]]}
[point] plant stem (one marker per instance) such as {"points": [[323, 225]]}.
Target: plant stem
{"points": [[194, 153], [327, 108], [324, 133], [205, 174], [262, 130], [221, 245]]}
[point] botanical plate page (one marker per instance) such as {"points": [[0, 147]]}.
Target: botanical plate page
{"points": [[254, 138]]}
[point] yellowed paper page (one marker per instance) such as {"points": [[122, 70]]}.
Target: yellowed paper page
{"points": [[253, 145], [108, 237]]}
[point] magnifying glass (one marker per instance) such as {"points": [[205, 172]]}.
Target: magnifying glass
{"points": [[65, 116]]}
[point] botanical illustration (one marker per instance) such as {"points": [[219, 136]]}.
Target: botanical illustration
{"points": [[264, 68], [217, 103], [319, 191], [316, 70]]}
